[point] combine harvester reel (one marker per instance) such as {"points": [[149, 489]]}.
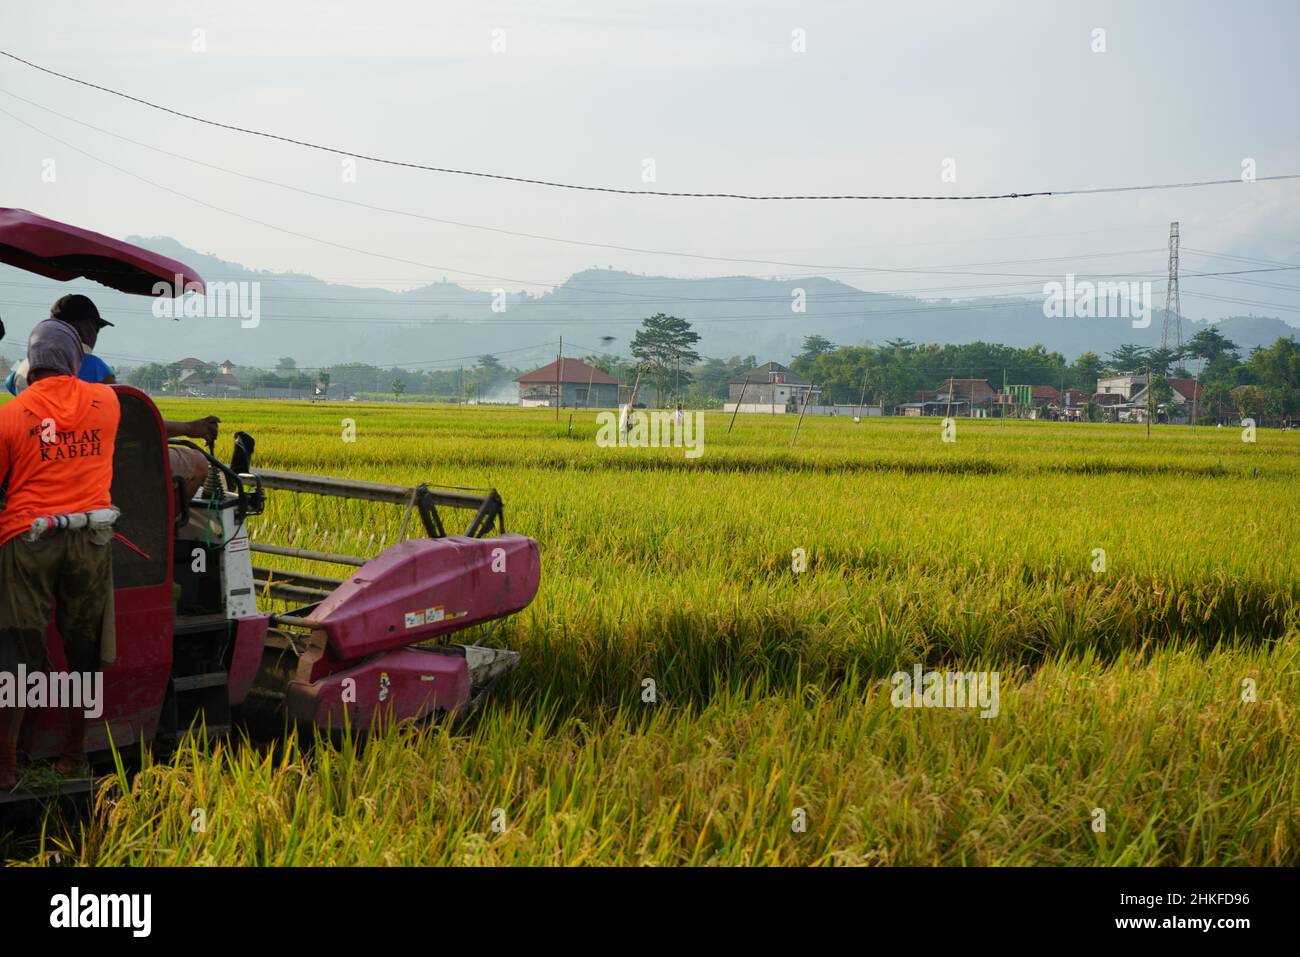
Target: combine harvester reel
{"points": [[366, 639], [371, 644]]}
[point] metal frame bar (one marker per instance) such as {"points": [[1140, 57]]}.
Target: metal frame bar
{"points": [[487, 505]]}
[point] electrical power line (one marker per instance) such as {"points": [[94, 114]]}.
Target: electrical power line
{"points": [[822, 268], [348, 248], [612, 189]]}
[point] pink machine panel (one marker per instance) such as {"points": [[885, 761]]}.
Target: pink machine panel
{"points": [[426, 587]]}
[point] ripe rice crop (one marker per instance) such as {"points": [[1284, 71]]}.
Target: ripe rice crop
{"points": [[1122, 690]]}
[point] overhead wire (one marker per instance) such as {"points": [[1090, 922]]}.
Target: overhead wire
{"points": [[535, 181]]}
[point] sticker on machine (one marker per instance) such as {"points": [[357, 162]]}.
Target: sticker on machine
{"points": [[414, 619], [238, 545], [434, 614]]}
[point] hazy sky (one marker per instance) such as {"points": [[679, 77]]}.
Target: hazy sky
{"points": [[714, 94]]}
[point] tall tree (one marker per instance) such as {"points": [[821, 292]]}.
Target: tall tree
{"points": [[665, 344], [1209, 344], [1162, 394], [1128, 358], [1160, 360], [1085, 372], [490, 370]]}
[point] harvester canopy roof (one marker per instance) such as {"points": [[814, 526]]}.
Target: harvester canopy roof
{"points": [[64, 252]]}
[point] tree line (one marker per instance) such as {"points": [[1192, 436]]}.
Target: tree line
{"points": [[1264, 385]]}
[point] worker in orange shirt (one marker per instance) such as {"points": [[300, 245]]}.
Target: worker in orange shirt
{"points": [[56, 529]]}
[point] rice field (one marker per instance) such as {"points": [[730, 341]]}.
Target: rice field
{"points": [[1136, 595]]}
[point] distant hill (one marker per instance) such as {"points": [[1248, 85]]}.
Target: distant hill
{"points": [[320, 323]]}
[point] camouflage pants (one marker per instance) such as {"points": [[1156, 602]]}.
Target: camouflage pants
{"points": [[69, 573]]}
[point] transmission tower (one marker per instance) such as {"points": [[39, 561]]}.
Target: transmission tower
{"points": [[1173, 327]]}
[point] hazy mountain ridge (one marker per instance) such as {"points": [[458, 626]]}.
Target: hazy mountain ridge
{"points": [[304, 317]]}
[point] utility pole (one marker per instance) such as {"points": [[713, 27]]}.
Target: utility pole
{"points": [[559, 364], [1173, 326], [807, 395], [1148, 400], [1196, 391], [743, 386]]}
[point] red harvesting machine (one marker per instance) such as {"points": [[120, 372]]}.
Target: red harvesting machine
{"points": [[368, 644], [193, 640]]}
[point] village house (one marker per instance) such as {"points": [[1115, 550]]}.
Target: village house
{"points": [[772, 388], [954, 397], [1186, 392], [578, 385], [1044, 397], [1126, 384], [197, 376], [1074, 405]]}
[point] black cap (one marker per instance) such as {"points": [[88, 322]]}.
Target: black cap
{"points": [[75, 307]]}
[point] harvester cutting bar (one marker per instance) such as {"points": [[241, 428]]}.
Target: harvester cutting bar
{"points": [[486, 504], [294, 586], [324, 582], [290, 593], [307, 554]]}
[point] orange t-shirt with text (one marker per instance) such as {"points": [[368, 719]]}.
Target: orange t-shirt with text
{"points": [[56, 450]]}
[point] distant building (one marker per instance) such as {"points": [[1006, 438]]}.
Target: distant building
{"points": [[1125, 398], [927, 402], [1074, 404], [952, 397], [1186, 392], [772, 388], [977, 393], [1044, 396], [224, 383], [1110, 404], [190, 364], [579, 385], [1127, 384], [202, 378]]}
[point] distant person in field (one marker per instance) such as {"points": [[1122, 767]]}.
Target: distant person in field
{"points": [[679, 416], [81, 313], [56, 530]]}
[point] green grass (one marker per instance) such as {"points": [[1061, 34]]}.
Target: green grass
{"points": [[1120, 690]]}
